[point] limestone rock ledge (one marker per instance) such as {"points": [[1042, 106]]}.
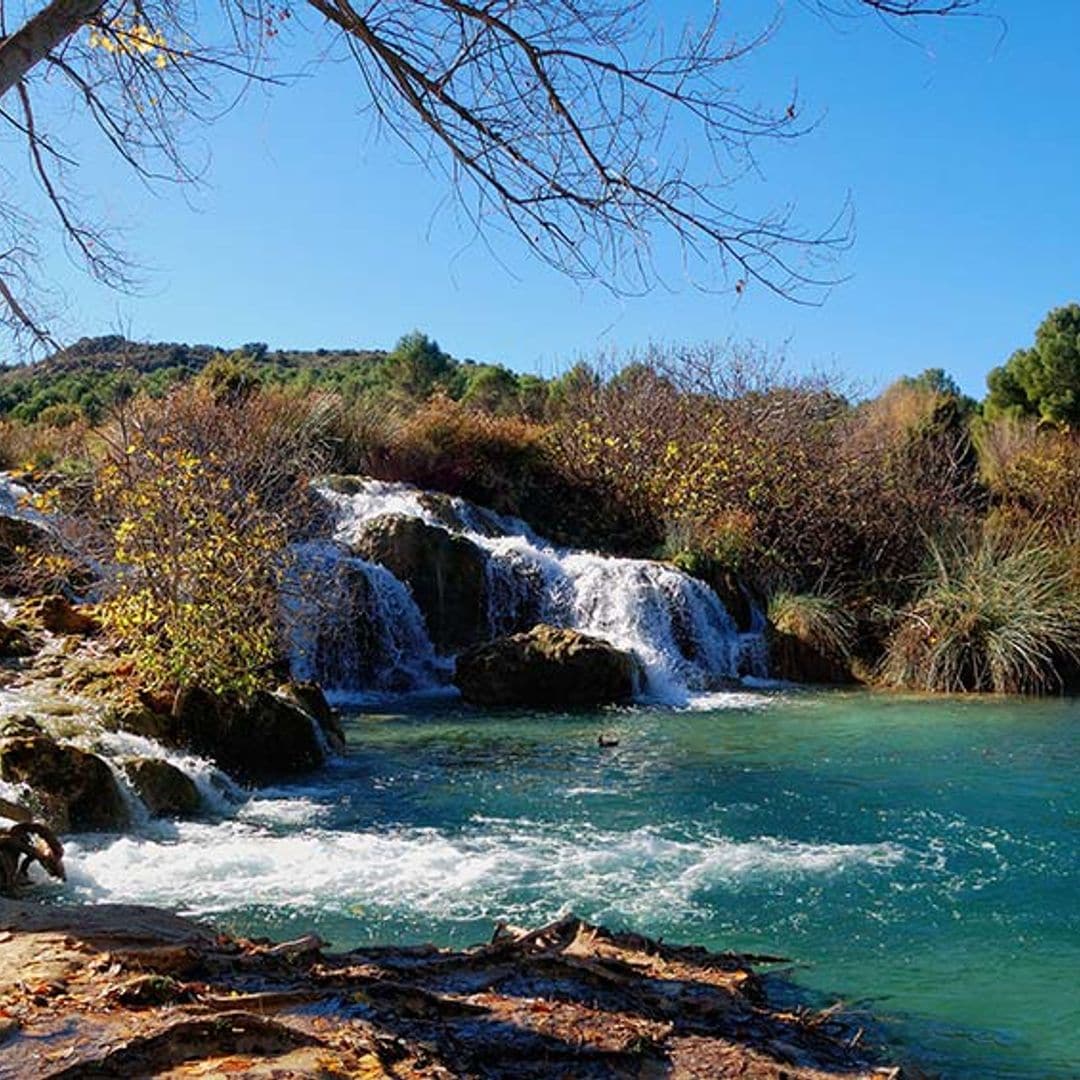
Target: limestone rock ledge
{"points": [[110, 991]]}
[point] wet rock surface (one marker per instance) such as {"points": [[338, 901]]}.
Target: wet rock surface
{"points": [[76, 790], [127, 991], [795, 660], [265, 738], [163, 788], [445, 573], [547, 667]]}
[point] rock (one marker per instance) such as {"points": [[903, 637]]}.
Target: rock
{"points": [[344, 485], [446, 574], [309, 697], [165, 790], [261, 739], [547, 666], [795, 660], [76, 790], [18, 537], [15, 641], [140, 720], [58, 615], [18, 726], [732, 591], [460, 515]]}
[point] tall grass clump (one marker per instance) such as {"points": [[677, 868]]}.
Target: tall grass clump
{"points": [[994, 615], [818, 620]]}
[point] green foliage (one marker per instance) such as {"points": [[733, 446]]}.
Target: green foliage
{"points": [[229, 378], [820, 620], [417, 366], [994, 615], [1043, 381], [97, 373], [61, 416], [195, 600], [934, 380], [493, 390]]}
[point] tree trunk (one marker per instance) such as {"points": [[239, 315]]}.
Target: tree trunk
{"points": [[35, 39]]}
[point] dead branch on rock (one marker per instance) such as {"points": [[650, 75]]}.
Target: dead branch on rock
{"points": [[23, 844]]}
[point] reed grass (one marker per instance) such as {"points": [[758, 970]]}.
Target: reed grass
{"points": [[996, 614]]}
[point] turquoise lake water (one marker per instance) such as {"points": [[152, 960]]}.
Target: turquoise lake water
{"points": [[918, 858]]}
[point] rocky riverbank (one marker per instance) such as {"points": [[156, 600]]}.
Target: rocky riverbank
{"points": [[111, 991]]}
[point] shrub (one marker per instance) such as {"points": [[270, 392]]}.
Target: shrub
{"points": [[450, 447], [195, 600], [994, 615], [1033, 472], [819, 620], [199, 496], [33, 448]]}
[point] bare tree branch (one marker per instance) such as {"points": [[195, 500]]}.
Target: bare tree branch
{"points": [[574, 125]]}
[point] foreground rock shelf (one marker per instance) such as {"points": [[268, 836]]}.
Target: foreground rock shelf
{"points": [[125, 991]]}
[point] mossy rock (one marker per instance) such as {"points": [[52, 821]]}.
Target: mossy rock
{"points": [[137, 719], [20, 726], [547, 667], [310, 697], [58, 615], [15, 642], [344, 485], [163, 788]]}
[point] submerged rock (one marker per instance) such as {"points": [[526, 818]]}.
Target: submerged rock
{"points": [[163, 788], [264, 738], [445, 573], [547, 666], [75, 789]]}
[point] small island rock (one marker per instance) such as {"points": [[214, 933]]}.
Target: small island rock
{"points": [[549, 667]]}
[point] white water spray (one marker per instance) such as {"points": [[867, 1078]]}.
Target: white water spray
{"points": [[359, 629]]}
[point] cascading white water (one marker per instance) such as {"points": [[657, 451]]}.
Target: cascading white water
{"points": [[358, 628], [352, 626]]}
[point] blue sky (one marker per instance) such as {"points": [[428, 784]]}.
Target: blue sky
{"points": [[960, 152]]}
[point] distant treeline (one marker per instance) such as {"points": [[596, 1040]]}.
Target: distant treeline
{"points": [[84, 380]]}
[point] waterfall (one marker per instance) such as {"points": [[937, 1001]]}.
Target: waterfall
{"points": [[352, 626], [355, 627]]}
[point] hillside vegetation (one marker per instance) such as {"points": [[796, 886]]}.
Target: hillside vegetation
{"points": [[916, 538]]}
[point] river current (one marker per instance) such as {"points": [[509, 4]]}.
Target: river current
{"points": [[918, 858]]}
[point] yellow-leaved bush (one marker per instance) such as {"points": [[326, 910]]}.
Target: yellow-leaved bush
{"points": [[198, 562]]}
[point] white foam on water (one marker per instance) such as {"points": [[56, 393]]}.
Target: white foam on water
{"points": [[493, 868], [220, 794], [372, 499], [15, 793], [722, 700]]}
